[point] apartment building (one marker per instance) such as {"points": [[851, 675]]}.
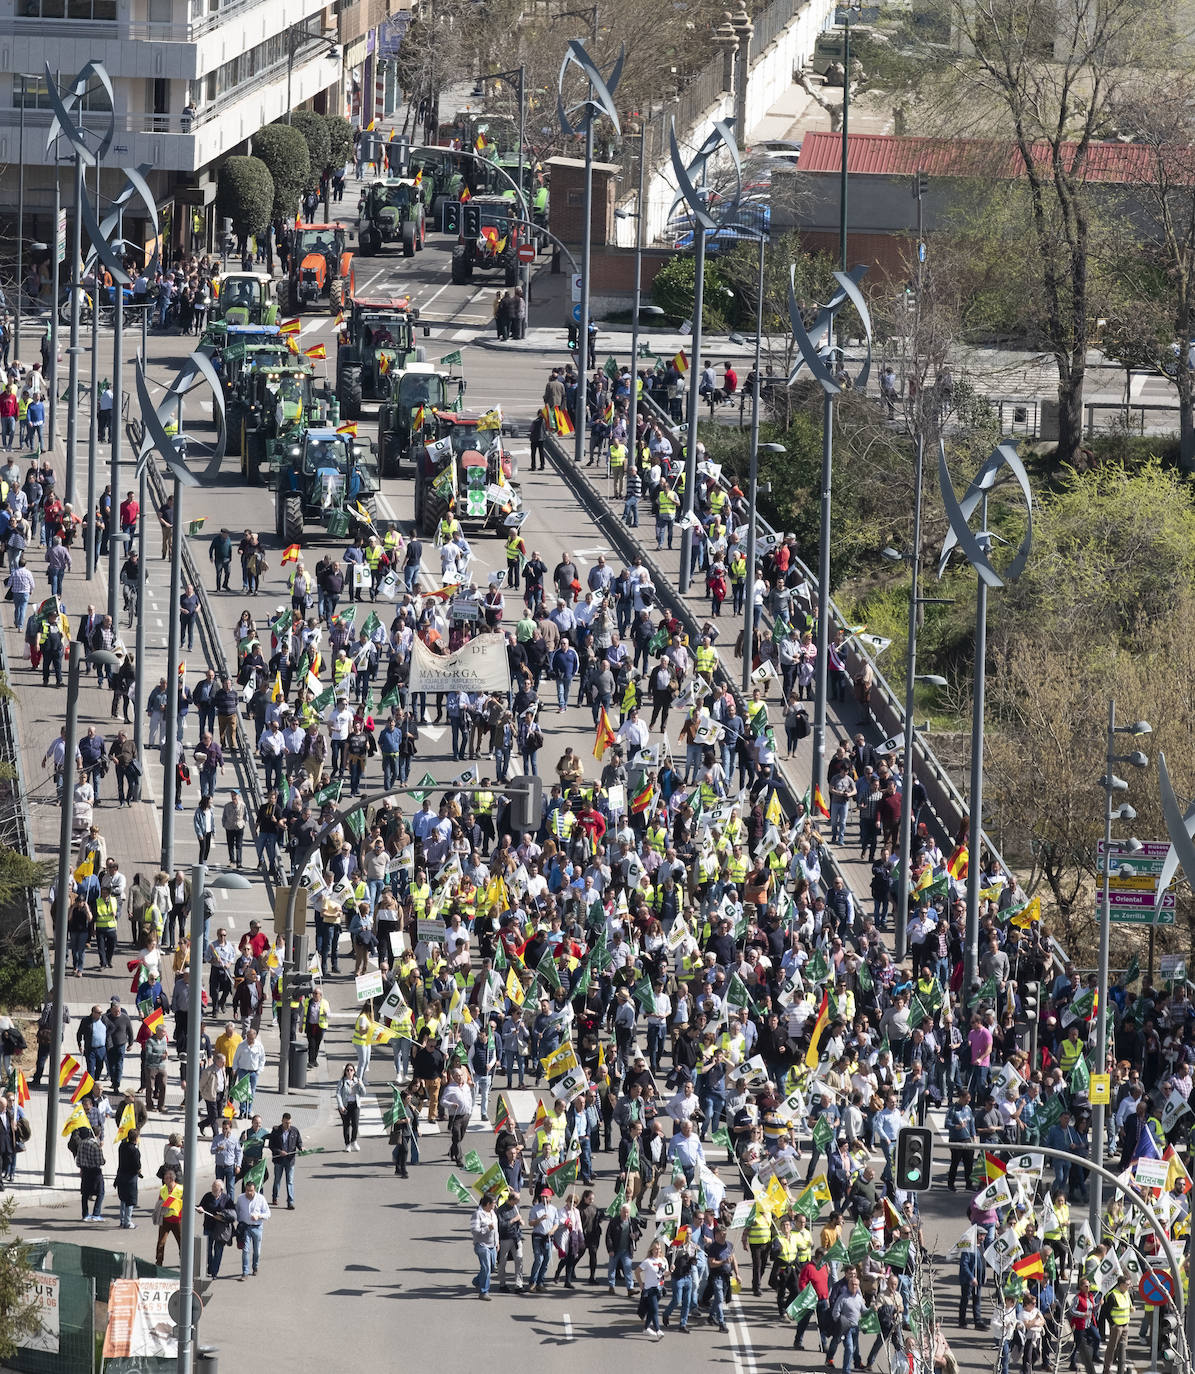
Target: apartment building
{"points": [[193, 80]]}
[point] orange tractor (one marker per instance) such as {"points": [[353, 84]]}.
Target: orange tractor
{"points": [[321, 267]]}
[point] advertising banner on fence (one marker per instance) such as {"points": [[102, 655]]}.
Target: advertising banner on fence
{"points": [[481, 666], [139, 1320]]}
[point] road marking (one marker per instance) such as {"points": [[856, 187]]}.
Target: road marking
{"points": [[158, 622], [568, 1326], [740, 1341]]}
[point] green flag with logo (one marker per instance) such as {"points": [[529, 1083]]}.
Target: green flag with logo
{"points": [[823, 1134], [458, 1190], [869, 1323], [242, 1089], [859, 1243], [474, 1163], [805, 1301]]}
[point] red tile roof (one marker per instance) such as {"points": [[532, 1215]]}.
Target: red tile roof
{"points": [[888, 155]]}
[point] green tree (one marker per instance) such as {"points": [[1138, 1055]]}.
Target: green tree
{"points": [[284, 151], [19, 1314], [245, 195], [672, 291], [314, 129], [340, 139]]}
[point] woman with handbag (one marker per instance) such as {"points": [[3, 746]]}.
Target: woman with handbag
{"points": [[350, 1092]]}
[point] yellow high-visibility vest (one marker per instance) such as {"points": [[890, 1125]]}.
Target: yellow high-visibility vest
{"points": [[105, 914], [1122, 1308], [172, 1201]]}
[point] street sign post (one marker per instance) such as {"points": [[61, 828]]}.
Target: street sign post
{"points": [[576, 287], [526, 252], [1133, 882], [1156, 1288]]}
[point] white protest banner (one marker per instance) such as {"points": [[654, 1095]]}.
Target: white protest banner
{"points": [[616, 798], [1173, 1108], [742, 1215], [479, 666], [1151, 1173], [368, 985], [570, 1085], [1027, 1165]]}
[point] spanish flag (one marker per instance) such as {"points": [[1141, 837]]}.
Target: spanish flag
{"points": [[514, 989], [77, 1121], [369, 128], [86, 1083], [466, 194], [298, 219], [564, 422], [1178, 1174], [67, 1069], [994, 1168], [681, 362], [290, 554], [958, 863], [819, 802], [385, 362], [605, 735], [608, 413], [350, 428], [290, 326], [642, 801], [316, 351], [153, 1020], [813, 1053], [419, 177], [292, 346], [479, 143], [1029, 1267], [22, 1090]]}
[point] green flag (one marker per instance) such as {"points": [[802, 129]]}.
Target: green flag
{"points": [[242, 1089], [863, 973], [619, 1198], [194, 526], [500, 964], [823, 1134], [737, 995], [807, 1204], [582, 987], [331, 793], [256, 1175], [323, 699], [474, 1163], [1133, 972], [346, 616], [426, 782], [562, 1177], [284, 792], [816, 970], [869, 1323], [390, 699], [805, 1301], [897, 1255], [645, 995], [1080, 1075], [452, 358], [397, 1111], [859, 1243], [986, 993], [610, 367], [633, 1158], [837, 1253], [372, 623], [355, 821], [458, 1190], [721, 1136], [1049, 1112], [547, 970]]}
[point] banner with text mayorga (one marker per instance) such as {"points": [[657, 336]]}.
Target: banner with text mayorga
{"points": [[480, 666]]}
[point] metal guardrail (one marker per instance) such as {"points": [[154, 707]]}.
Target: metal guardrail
{"points": [[946, 801], [16, 827]]}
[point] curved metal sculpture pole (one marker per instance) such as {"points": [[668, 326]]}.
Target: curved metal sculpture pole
{"points": [[976, 549], [815, 352], [172, 449], [599, 103], [1181, 829], [690, 182]]}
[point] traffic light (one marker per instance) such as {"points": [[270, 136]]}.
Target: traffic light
{"points": [[1170, 1344], [914, 1158], [920, 184], [526, 802], [299, 983], [471, 215], [573, 331], [451, 217]]}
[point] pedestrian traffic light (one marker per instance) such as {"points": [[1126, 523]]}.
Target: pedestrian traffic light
{"points": [[573, 331], [526, 802], [1170, 1343], [451, 217], [471, 215], [1029, 993], [914, 1158], [300, 982]]}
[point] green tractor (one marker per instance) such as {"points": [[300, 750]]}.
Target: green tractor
{"points": [[391, 211], [441, 176], [277, 404], [536, 191], [377, 337], [324, 477], [407, 417], [245, 298], [236, 351], [465, 468]]}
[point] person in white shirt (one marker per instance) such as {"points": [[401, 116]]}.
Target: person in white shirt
{"points": [[253, 1211], [544, 1221], [456, 1098], [248, 1062], [483, 1230]]}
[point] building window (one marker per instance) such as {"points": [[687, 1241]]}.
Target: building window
{"points": [[31, 93], [90, 10]]}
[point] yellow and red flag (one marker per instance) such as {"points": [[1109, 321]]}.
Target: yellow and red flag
{"points": [[993, 1167], [290, 554], [22, 1090], [385, 361], [443, 593], [819, 802], [67, 1069], [681, 361], [479, 143], [292, 346], [316, 351], [605, 735], [958, 863], [77, 1121], [643, 799], [350, 428], [813, 1053], [564, 422], [153, 1020], [466, 194], [1029, 1267], [419, 177], [127, 1123], [369, 128], [420, 416], [86, 1083], [290, 326]]}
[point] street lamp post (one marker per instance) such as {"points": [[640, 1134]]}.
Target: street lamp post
{"points": [[62, 888], [976, 547], [186, 1265], [1112, 786], [16, 331]]}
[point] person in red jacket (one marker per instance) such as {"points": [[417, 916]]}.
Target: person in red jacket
{"points": [[593, 823], [8, 417], [730, 383], [814, 1273]]}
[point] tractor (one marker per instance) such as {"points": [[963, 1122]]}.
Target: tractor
{"points": [[245, 298], [323, 477], [406, 418], [466, 467], [392, 211], [237, 349], [378, 335], [320, 267], [487, 240], [275, 405], [441, 173]]}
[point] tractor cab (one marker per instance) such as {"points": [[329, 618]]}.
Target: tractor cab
{"points": [[441, 176], [278, 403], [244, 298], [324, 477], [320, 266], [391, 211], [467, 466], [489, 239], [407, 417], [378, 337]]}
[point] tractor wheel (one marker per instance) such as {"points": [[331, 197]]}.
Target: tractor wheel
{"points": [[438, 205], [288, 516], [251, 448], [421, 236], [462, 269], [371, 508], [365, 243], [390, 463], [408, 239], [232, 431], [348, 392], [512, 272], [244, 439], [336, 296]]}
